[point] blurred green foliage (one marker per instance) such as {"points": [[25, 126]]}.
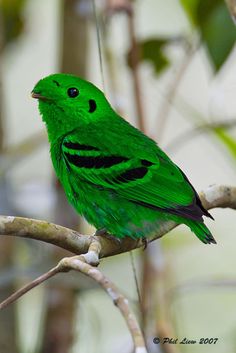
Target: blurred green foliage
{"points": [[217, 33], [12, 19], [212, 21], [152, 50], [228, 140]]}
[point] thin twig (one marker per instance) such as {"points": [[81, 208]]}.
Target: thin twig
{"points": [[232, 8], [99, 42], [191, 133], [165, 107], [78, 263], [134, 63], [19, 293], [91, 257], [119, 300], [135, 278]]}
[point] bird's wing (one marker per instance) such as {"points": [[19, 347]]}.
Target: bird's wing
{"points": [[158, 185]]}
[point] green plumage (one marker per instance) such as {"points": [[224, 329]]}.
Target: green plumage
{"points": [[113, 174]]}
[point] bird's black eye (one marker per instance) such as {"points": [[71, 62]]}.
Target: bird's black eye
{"points": [[73, 92]]}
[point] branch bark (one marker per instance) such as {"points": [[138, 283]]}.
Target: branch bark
{"points": [[78, 263], [214, 196]]}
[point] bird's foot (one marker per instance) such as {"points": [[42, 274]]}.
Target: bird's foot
{"points": [[145, 243], [100, 232], [103, 233]]}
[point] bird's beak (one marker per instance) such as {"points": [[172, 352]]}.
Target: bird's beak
{"points": [[39, 96]]}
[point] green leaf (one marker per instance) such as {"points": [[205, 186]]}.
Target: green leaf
{"points": [[152, 51], [205, 8], [227, 139], [217, 30], [219, 34], [190, 7]]}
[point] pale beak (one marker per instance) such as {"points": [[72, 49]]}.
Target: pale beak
{"points": [[39, 96]]}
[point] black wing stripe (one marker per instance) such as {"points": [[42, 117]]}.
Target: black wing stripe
{"points": [[132, 174], [146, 163], [190, 211], [198, 201], [80, 147], [94, 162]]}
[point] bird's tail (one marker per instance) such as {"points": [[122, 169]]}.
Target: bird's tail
{"points": [[201, 231]]}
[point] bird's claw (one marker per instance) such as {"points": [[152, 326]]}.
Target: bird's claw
{"points": [[103, 233], [145, 243], [100, 232]]}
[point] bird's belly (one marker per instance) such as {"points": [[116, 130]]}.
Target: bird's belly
{"points": [[120, 217]]}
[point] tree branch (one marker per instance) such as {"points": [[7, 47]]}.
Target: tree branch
{"points": [[214, 196], [23, 290], [119, 300], [78, 263], [92, 248]]}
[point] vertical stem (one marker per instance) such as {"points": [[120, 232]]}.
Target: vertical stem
{"points": [[1, 53], [58, 336], [8, 317], [168, 100], [61, 310], [134, 61], [74, 38], [232, 8], [99, 42]]}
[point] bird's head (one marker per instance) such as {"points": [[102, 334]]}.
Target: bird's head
{"points": [[67, 102]]}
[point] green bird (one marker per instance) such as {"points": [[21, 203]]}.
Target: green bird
{"points": [[112, 173]]}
